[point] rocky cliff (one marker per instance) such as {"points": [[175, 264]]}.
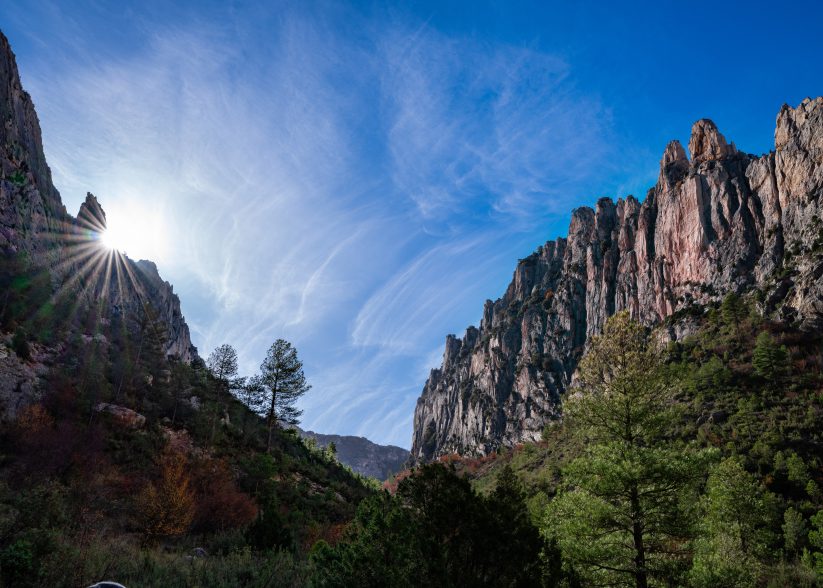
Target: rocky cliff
{"points": [[723, 221], [38, 234]]}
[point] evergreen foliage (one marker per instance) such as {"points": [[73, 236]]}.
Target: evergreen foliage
{"points": [[816, 540], [282, 383], [693, 465], [623, 518], [769, 360], [222, 364], [437, 531], [735, 537]]}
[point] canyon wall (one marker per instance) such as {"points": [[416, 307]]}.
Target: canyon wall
{"points": [[723, 221]]}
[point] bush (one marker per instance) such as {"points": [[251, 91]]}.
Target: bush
{"points": [[17, 563]]}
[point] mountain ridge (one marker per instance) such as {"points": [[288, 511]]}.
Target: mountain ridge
{"points": [[363, 455], [723, 221]]}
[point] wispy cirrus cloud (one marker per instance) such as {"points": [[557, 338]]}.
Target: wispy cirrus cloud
{"points": [[485, 130], [359, 194]]}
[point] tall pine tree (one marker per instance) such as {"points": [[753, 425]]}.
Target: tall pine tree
{"points": [[222, 364], [770, 360], [619, 520], [283, 382]]}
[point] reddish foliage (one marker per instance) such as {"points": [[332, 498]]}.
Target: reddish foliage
{"points": [[449, 458], [46, 447], [331, 534], [391, 484], [62, 400], [220, 504], [166, 507], [33, 421]]}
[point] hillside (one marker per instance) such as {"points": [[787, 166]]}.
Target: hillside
{"points": [[119, 457], [722, 221]]}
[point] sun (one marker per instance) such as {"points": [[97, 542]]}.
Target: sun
{"points": [[111, 240], [135, 232], [125, 238]]}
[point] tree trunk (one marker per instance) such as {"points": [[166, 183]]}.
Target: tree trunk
{"points": [[640, 573], [217, 412], [271, 426], [272, 415]]}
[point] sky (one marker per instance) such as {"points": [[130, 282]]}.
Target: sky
{"points": [[358, 178]]}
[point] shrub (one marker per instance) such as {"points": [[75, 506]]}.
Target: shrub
{"points": [[166, 509]]}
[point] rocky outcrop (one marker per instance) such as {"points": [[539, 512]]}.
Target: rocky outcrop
{"points": [[37, 232], [719, 222], [21, 379], [363, 456], [124, 416]]}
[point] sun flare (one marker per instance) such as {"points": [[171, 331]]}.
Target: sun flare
{"points": [[111, 240], [136, 233]]}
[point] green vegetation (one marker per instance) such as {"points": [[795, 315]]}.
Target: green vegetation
{"points": [[141, 468], [735, 534], [695, 463], [437, 531], [622, 515], [725, 441], [281, 382]]}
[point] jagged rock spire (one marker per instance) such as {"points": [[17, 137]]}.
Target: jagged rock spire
{"points": [[707, 143], [714, 225], [673, 166], [91, 215], [21, 145], [34, 222]]}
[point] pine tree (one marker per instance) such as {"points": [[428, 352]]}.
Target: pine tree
{"points": [[151, 352], [251, 393], [620, 519], [770, 360], [222, 364], [734, 532], [732, 309], [283, 384], [816, 541]]}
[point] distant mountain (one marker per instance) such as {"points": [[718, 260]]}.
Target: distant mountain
{"points": [[363, 456], [716, 222]]}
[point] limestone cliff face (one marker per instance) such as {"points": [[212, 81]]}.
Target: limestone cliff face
{"points": [[723, 221], [36, 230]]}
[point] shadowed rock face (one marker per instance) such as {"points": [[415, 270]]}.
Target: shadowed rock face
{"points": [[35, 227], [724, 221]]}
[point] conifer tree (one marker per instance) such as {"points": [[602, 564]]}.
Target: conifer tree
{"points": [[251, 393], [816, 540], [735, 529], [732, 309], [770, 360], [620, 520], [283, 381], [222, 364]]}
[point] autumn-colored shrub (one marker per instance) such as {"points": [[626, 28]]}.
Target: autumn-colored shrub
{"points": [[167, 508], [220, 505], [33, 421]]}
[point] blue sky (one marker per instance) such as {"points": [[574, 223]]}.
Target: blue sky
{"points": [[359, 177]]}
